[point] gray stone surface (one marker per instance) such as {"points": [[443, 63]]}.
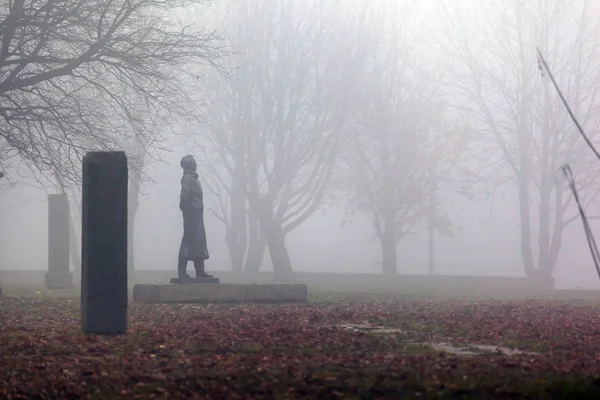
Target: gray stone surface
{"points": [[104, 243], [59, 280], [222, 293], [58, 275], [187, 281]]}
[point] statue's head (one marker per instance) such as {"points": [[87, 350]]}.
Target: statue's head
{"points": [[188, 163]]}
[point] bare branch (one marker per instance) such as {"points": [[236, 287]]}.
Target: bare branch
{"points": [[75, 74], [492, 58]]}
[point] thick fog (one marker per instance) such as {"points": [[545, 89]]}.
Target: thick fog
{"points": [[487, 245], [488, 237]]}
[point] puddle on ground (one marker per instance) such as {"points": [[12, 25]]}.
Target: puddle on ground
{"points": [[463, 350], [478, 349], [370, 328]]}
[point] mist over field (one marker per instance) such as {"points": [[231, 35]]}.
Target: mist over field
{"points": [[377, 97], [488, 244]]}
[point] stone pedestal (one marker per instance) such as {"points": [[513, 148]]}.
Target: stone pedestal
{"points": [[58, 275], [222, 293], [187, 281], [104, 243], [59, 280]]}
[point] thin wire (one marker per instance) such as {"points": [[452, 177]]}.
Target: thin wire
{"points": [[568, 172], [542, 63], [566, 169]]}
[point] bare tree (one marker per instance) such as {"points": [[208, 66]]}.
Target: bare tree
{"points": [[226, 121], [228, 204], [491, 49], [136, 158], [448, 150], [396, 158], [275, 126], [70, 70]]}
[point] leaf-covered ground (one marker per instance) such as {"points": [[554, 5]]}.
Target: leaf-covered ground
{"points": [[299, 351]]}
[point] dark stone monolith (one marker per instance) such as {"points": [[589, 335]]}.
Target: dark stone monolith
{"points": [[104, 243], [58, 275]]}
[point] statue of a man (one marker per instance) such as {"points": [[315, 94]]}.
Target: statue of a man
{"points": [[193, 244]]}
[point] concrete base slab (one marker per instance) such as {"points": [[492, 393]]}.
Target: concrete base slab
{"points": [[222, 293], [186, 281], [59, 280]]}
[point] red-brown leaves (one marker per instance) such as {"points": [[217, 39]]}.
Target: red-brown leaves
{"points": [[291, 351]]}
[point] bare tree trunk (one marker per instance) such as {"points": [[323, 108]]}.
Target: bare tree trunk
{"points": [[2, 228], [2, 231], [236, 251], [256, 247], [389, 255], [431, 227], [74, 247], [544, 229], [280, 258], [526, 253], [524, 137], [550, 237], [132, 205], [130, 250], [236, 233], [431, 249], [282, 267], [556, 242], [389, 252], [254, 258], [236, 254]]}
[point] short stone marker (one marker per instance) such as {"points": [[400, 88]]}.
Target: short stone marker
{"points": [[104, 243], [58, 275], [185, 281], [222, 293]]}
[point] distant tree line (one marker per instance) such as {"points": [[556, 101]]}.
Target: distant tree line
{"points": [[376, 107], [396, 116]]}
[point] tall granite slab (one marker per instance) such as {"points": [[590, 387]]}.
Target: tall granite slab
{"points": [[104, 243], [58, 275]]}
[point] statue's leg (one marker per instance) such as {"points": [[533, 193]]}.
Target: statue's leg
{"points": [[199, 266], [181, 267]]}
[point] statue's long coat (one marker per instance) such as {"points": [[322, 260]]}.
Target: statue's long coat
{"points": [[193, 243]]}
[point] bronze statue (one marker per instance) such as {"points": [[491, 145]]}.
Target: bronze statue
{"points": [[193, 244]]}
